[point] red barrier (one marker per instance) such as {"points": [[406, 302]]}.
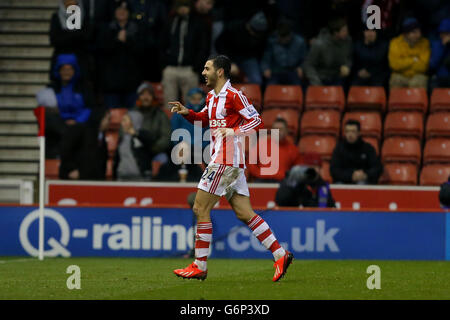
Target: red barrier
{"points": [[394, 198]]}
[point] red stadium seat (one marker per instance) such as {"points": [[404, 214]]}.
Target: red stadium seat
{"points": [[440, 100], [290, 115], [112, 140], [325, 97], [374, 142], [251, 91], [399, 174], [366, 98], [411, 99], [370, 123], [116, 115], [403, 124], [438, 125], [52, 169], [320, 122], [319, 144], [325, 172], [437, 150], [401, 149], [283, 96], [434, 174]]}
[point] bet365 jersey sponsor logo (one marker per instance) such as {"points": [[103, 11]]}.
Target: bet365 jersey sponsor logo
{"points": [[217, 123]]}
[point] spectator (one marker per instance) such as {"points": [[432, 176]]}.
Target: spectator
{"points": [[392, 12], [440, 57], [76, 41], [409, 55], [444, 194], [119, 66], [143, 139], [74, 111], [304, 187], [195, 101], [184, 48], [244, 40], [283, 57], [370, 60], [354, 160], [150, 15], [329, 59], [288, 154]]}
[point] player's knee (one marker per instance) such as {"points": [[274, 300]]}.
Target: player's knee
{"points": [[199, 211]]}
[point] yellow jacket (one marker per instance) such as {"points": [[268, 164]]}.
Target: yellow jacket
{"points": [[406, 60]]}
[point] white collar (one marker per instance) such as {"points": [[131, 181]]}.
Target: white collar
{"points": [[223, 91]]}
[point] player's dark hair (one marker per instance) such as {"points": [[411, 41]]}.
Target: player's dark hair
{"points": [[222, 62], [352, 122]]}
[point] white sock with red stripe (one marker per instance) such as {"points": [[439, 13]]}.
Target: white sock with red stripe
{"points": [[203, 239], [263, 233]]}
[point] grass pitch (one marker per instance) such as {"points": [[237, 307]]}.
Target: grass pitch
{"points": [[141, 278]]}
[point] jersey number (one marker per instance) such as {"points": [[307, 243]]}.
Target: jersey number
{"points": [[209, 176]]}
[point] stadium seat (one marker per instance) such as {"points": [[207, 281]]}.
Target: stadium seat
{"points": [[159, 92], [109, 169], [374, 142], [52, 169], [251, 91], [290, 115], [319, 144], [399, 174], [116, 115], [112, 140], [283, 96], [440, 100], [320, 122], [366, 98], [370, 121], [411, 99], [325, 172], [325, 97], [403, 124], [437, 150], [434, 174], [401, 149], [438, 125]]}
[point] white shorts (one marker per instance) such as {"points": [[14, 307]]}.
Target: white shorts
{"points": [[223, 180]]}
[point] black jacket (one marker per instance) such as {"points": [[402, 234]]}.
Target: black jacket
{"points": [[196, 43], [348, 158], [119, 66]]}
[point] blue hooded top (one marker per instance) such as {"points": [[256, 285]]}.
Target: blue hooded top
{"points": [[439, 52], [71, 104]]}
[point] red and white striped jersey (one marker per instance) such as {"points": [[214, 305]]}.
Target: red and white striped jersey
{"points": [[229, 109]]}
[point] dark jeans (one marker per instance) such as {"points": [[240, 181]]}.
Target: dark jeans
{"points": [[286, 78]]}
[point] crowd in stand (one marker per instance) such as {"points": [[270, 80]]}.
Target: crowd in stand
{"points": [[124, 45]]}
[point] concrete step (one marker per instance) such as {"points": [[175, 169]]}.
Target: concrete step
{"points": [[20, 89], [18, 129], [17, 116], [18, 142], [25, 26], [19, 167], [17, 102], [24, 77], [24, 52], [24, 65], [13, 155], [25, 13], [30, 3], [24, 39]]}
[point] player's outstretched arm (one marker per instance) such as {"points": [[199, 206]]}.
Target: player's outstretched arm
{"points": [[178, 108]]}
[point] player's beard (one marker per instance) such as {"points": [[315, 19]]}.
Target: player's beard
{"points": [[211, 82]]}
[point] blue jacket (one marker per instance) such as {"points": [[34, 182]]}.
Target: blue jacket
{"points": [[438, 54], [71, 103], [278, 57], [178, 121]]}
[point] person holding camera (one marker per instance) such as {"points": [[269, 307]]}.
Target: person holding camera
{"points": [[303, 186]]}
